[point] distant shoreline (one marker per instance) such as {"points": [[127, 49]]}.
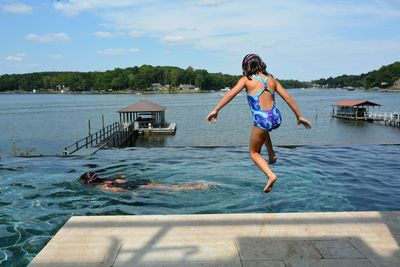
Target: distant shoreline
{"points": [[145, 92], [108, 93]]}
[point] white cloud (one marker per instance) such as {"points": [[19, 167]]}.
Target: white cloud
{"points": [[108, 34], [225, 27], [75, 7], [116, 51], [16, 57], [102, 34], [135, 34], [212, 2], [56, 56], [16, 8], [48, 37], [288, 33], [173, 39]]}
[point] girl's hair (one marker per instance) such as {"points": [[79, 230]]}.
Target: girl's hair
{"points": [[252, 64]]}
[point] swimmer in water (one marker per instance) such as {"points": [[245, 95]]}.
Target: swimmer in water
{"points": [[120, 184]]}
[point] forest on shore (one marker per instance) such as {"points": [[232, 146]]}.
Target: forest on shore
{"points": [[132, 78], [144, 77], [384, 77]]}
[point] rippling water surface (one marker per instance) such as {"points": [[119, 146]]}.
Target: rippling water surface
{"points": [[344, 166], [38, 195]]}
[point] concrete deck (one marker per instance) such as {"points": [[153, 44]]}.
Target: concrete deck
{"points": [[286, 239]]}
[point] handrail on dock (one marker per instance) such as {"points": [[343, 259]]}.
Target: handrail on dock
{"points": [[389, 118], [94, 138], [392, 116]]}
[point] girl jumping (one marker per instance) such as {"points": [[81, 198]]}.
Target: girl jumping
{"points": [[260, 88]]}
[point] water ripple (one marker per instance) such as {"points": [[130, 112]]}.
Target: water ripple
{"points": [[39, 195]]}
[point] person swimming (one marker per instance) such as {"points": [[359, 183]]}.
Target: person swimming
{"points": [[120, 184]]}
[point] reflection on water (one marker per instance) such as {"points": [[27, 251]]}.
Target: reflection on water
{"points": [[38, 195], [152, 140]]}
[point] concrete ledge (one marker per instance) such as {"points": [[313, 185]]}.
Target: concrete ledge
{"points": [[284, 239]]}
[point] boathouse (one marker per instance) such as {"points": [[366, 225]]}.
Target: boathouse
{"points": [[144, 114], [146, 117], [141, 118], [352, 109]]}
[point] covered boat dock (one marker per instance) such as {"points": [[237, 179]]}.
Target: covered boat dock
{"points": [[352, 109], [146, 117], [143, 113]]}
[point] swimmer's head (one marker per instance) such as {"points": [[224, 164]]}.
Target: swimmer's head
{"points": [[253, 64], [89, 177]]}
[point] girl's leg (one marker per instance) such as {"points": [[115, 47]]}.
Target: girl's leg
{"points": [[257, 140], [270, 149]]}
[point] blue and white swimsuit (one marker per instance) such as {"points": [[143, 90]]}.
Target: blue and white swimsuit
{"points": [[266, 120]]}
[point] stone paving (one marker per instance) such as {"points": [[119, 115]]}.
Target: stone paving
{"points": [[251, 240]]}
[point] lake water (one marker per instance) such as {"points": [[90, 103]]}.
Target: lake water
{"points": [[48, 123], [343, 166]]}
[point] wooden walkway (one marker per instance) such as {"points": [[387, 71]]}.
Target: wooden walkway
{"points": [[388, 118], [287, 239], [114, 135]]}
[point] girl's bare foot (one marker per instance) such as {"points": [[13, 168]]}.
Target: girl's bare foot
{"points": [[272, 159], [270, 183]]}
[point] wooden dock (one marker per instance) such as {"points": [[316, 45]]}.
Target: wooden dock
{"points": [[113, 135], [170, 129], [388, 118], [359, 110], [346, 239], [143, 117]]}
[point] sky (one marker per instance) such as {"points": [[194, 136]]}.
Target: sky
{"points": [[297, 39]]}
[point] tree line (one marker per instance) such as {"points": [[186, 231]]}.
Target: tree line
{"points": [[131, 78], [384, 77]]}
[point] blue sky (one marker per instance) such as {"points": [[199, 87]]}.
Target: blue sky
{"points": [[298, 39]]}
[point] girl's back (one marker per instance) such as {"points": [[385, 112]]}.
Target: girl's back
{"points": [[254, 87]]}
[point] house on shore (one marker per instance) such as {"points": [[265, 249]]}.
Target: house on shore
{"points": [[186, 87], [397, 83], [352, 109], [155, 87]]}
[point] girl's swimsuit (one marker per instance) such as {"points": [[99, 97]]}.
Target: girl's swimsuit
{"points": [[131, 185], [266, 120]]}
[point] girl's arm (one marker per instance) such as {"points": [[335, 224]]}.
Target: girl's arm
{"points": [[227, 98], [292, 104], [109, 187]]}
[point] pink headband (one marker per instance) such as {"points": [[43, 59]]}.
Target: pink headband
{"points": [[248, 57], [92, 177]]}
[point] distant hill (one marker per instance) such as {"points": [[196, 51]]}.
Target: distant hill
{"points": [[143, 77], [132, 78], [383, 78]]}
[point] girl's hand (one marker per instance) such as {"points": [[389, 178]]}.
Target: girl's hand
{"points": [[212, 116], [305, 122]]}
